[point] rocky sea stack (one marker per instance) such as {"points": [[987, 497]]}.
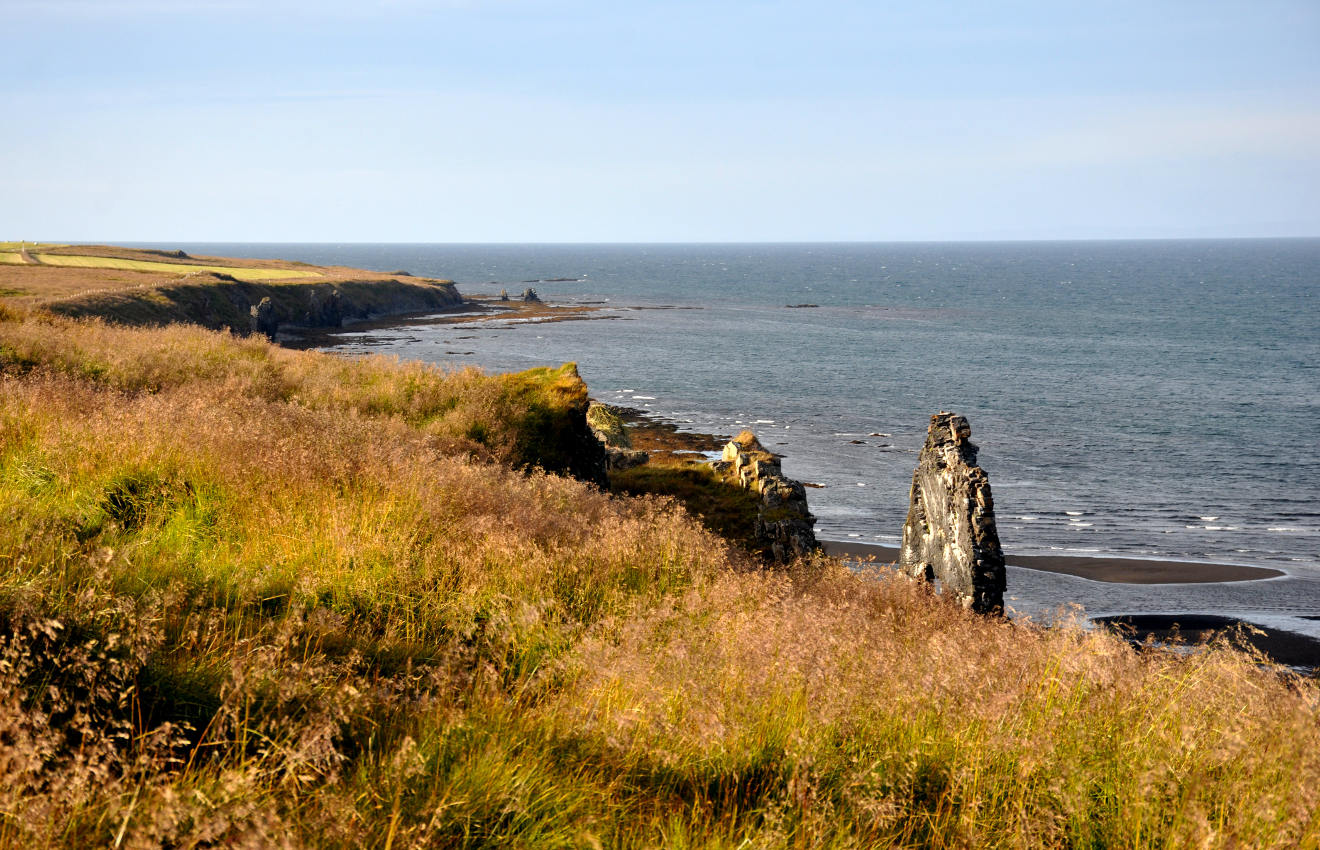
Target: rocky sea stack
{"points": [[950, 534]]}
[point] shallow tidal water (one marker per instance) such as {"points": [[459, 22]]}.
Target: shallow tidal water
{"points": [[1155, 399]]}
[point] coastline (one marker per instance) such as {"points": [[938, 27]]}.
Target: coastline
{"points": [[657, 434], [1146, 628], [473, 308], [396, 577], [1104, 568]]}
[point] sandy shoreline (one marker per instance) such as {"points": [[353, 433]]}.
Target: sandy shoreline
{"points": [[1103, 568]]}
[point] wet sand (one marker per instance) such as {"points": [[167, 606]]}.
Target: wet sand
{"points": [[1105, 568]]}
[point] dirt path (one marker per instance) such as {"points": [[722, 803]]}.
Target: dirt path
{"points": [[27, 258]]}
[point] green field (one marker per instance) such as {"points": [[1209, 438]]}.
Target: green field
{"points": [[81, 262], [10, 257]]}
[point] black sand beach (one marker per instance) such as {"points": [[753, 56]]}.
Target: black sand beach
{"points": [[1110, 569], [1281, 646]]}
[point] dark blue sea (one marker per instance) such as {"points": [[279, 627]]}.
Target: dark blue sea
{"points": [[1155, 399]]}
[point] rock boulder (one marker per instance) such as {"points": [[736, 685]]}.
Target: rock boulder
{"points": [[783, 522], [950, 534], [608, 427]]}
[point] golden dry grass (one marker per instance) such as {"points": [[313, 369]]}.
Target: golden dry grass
{"points": [[34, 284], [252, 597]]}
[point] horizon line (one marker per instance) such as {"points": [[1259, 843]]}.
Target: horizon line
{"points": [[1020, 240]]}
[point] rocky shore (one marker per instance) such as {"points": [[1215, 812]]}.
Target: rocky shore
{"points": [[946, 529], [307, 305]]}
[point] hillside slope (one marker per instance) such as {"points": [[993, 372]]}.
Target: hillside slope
{"points": [[258, 597]]}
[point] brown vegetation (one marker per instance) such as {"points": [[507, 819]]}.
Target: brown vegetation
{"points": [[257, 597]]}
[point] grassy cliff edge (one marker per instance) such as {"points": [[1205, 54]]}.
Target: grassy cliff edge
{"points": [[259, 597], [136, 286]]}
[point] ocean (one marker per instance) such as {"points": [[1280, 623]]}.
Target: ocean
{"points": [[1152, 399]]}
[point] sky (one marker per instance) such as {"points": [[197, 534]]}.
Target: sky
{"points": [[585, 121]]}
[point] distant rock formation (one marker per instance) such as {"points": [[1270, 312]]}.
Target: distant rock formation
{"points": [[529, 295], [504, 295], [950, 534], [783, 522], [263, 318], [324, 309]]}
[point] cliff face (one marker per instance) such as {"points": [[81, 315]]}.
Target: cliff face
{"points": [[550, 409], [612, 432], [783, 522], [333, 305], [950, 534], [216, 300]]}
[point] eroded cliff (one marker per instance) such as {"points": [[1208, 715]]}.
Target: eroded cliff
{"points": [[784, 525]]}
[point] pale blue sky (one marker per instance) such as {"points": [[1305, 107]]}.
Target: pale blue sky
{"points": [[517, 120]]}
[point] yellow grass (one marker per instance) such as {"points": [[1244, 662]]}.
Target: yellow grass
{"points": [[10, 257], [78, 261], [252, 597]]}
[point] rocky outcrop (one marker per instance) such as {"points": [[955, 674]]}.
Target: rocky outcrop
{"points": [[783, 522], [550, 418], [333, 306], [617, 460], [608, 427], [324, 308], [263, 318], [529, 295], [950, 534]]}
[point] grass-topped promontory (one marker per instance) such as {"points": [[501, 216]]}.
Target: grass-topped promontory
{"points": [[137, 286], [256, 597]]}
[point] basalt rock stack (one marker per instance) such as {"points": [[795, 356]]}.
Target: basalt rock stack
{"points": [[950, 534], [783, 523], [325, 308]]}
